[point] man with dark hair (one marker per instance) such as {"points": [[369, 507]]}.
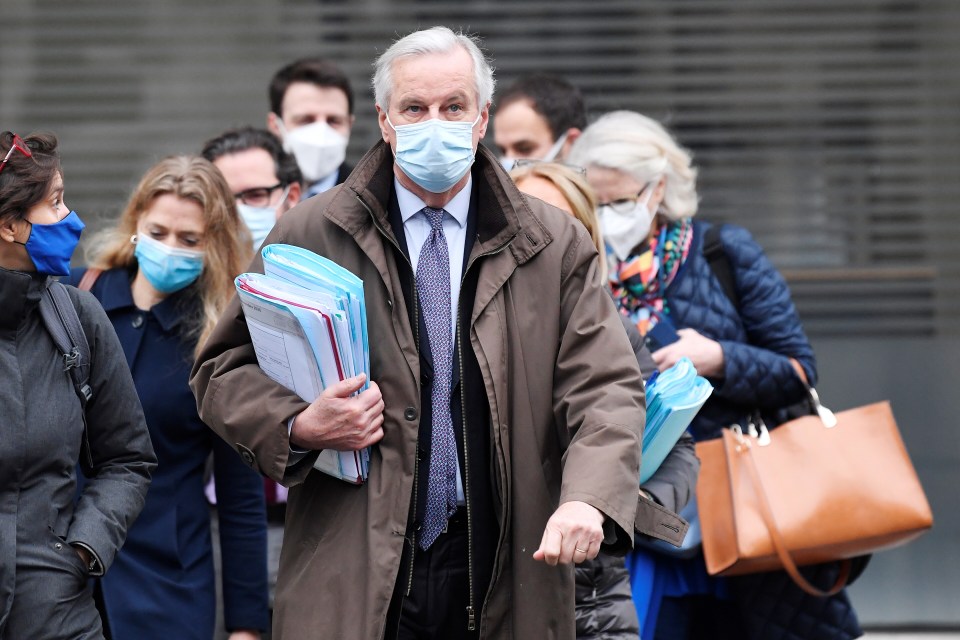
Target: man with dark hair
{"points": [[263, 177], [538, 117], [311, 110]]}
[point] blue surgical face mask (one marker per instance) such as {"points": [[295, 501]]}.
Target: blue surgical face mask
{"points": [[435, 154], [166, 268], [260, 220], [50, 246]]}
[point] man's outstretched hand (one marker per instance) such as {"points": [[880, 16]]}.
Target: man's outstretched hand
{"points": [[573, 534]]}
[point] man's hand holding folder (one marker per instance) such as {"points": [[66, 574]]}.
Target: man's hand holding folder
{"points": [[307, 320], [340, 420]]}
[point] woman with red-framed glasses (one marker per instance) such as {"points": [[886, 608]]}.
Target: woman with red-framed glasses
{"points": [[51, 540]]}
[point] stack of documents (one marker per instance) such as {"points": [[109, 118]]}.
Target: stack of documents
{"points": [[308, 324], [673, 399]]}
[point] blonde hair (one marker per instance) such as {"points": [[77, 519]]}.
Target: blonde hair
{"points": [[227, 242], [642, 148], [576, 191]]}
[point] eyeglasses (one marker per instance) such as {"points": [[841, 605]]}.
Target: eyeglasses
{"points": [[624, 205], [257, 196], [17, 145], [534, 162]]}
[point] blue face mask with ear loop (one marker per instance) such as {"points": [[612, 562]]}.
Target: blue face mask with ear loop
{"points": [[50, 246], [166, 268], [435, 154]]}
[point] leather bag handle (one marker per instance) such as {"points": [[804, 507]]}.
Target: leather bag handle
{"points": [[744, 448], [89, 277]]}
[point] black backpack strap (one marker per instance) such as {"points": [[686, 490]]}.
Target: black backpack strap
{"points": [[63, 324], [719, 262]]}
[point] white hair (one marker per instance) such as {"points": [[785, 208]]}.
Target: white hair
{"points": [[433, 40], [642, 148]]}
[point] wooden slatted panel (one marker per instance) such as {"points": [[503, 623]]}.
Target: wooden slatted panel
{"points": [[829, 128]]}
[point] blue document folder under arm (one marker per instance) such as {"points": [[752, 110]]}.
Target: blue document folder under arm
{"points": [[673, 399], [307, 322]]}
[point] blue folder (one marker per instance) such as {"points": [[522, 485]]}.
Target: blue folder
{"points": [[673, 399]]}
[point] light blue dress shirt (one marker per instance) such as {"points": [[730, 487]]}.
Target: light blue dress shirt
{"points": [[321, 185], [416, 227]]}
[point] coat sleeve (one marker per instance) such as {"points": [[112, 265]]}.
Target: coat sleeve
{"points": [[241, 403], [120, 446], [759, 373], [241, 513], [598, 398], [673, 482]]}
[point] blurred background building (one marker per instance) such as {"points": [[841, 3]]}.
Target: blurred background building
{"points": [[829, 128]]}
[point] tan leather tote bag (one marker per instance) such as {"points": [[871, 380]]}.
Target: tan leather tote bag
{"points": [[817, 488]]}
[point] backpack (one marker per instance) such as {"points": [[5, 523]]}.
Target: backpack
{"points": [[720, 263], [62, 322]]}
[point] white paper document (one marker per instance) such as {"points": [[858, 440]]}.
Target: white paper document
{"points": [[304, 340]]}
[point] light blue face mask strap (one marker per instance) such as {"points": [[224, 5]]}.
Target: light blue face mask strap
{"points": [[555, 149], [283, 198]]}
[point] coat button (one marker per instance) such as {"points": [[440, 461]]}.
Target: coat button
{"points": [[410, 413], [137, 321], [246, 455], [58, 546]]}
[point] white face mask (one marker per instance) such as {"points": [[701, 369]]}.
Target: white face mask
{"points": [[623, 231], [318, 148], [552, 153]]}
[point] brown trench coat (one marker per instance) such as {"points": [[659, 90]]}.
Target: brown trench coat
{"points": [[563, 386]]}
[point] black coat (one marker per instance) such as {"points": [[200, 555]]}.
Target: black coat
{"points": [[604, 605]]}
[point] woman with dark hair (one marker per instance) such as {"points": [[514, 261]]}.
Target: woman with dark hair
{"points": [[164, 275], [51, 539]]}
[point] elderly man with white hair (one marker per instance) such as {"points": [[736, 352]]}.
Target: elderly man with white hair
{"points": [[506, 407]]}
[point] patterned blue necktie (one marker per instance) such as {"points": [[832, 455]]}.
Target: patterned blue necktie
{"points": [[433, 287]]}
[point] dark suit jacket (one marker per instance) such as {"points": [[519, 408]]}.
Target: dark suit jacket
{"points": [[162, 583]]}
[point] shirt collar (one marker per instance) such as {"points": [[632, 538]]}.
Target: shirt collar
{"points": [[323, 184], [411, 204]]}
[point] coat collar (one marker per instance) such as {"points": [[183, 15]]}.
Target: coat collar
{"points": [[505, 218], [20, 293], [114, 293]]}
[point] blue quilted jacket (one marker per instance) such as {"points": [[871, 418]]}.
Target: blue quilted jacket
{"points": [[758, 339]]}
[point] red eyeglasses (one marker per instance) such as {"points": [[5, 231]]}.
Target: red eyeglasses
{"points": [[17, 145]]}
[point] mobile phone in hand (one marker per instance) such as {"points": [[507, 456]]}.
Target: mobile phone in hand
{"points": [[662, 334]]}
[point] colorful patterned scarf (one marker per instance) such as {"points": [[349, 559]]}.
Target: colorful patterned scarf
{"points": [[639, 281]]}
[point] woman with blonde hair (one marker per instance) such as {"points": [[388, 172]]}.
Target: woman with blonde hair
{"points": [[708, 293], [604, 608], [163, 276]]}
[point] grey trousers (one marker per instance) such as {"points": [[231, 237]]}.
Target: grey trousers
{"points": [[52, 599]]}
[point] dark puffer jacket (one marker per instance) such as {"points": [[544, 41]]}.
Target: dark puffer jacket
{"points": [[757, 339]]}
